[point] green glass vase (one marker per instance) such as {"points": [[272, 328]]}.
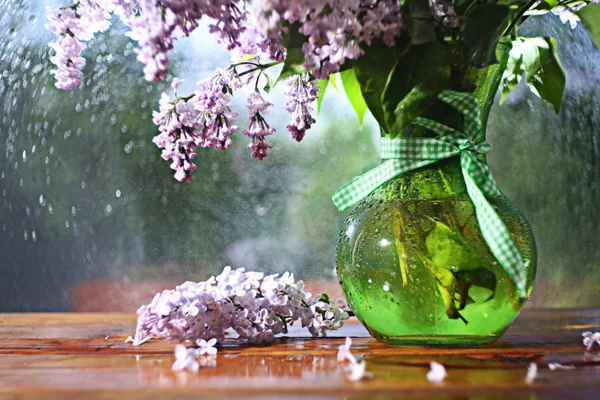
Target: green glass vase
{"points": [[415, 268]]}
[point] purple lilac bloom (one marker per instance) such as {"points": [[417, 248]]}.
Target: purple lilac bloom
{"points": [[178, 123], [255, 306], [213, 102], [258, 128], [73, 25], [300, 99], [335, 28]]}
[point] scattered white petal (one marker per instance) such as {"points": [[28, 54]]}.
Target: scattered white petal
{"points": [[590, 338], [358, 371], [437, 373], [137, 340], [185, 359], [344, 352], [555, 366], [531, 373]]}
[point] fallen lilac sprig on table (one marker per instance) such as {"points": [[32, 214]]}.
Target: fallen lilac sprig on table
{"points": [[590, 338], [255, 306]]}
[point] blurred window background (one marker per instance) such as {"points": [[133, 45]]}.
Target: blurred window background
{"points": [[91, 218]]}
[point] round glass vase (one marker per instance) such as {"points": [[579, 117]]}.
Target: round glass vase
{"points": [[415, 268]]}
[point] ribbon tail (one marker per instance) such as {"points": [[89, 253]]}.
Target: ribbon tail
{"points": [[495, 232]]}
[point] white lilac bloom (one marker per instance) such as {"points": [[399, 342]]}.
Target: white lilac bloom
{"points": [[255, 306], [531, 373], [185, 359], [437, 373], [590, 338], [344, 353], [206, 347]]}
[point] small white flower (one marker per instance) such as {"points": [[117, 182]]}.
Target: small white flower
{"points": [[590, 338], [531, 373], [358, 371], [555, 366], [437, 373], [205, 347], [185, 359], [344, 352]]}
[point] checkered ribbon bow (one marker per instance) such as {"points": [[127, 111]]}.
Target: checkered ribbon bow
{"points": [[406, 154]]}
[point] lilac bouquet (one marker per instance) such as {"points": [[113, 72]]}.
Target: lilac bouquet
{"points": [[367, 42]]}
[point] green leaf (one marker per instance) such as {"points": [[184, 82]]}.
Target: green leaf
{"points": [[590, 16], [481, 32], [537, 58], [294, 60], [333, 80], [322, 87], [372, 71], [414, 84], [544, 7], [352, 89], [549, 82], [489, 79], [270, 83], [247, 57]]}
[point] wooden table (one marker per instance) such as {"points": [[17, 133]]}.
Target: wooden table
{"points": [[83, 356]]}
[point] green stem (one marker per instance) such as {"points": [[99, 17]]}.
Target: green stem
{"points": [[518, 17], [260, 67]]}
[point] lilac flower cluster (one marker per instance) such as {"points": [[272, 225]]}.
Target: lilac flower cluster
{"points": [[255, 306], [300, 97], [258, 128], [73, 25], [209, 122], [206, 119], [334, 29], [333, 32]]}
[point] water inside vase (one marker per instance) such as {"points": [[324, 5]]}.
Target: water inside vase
{"points": [[417, 271]]}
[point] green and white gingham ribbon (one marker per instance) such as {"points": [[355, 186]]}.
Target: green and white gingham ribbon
{"points": [[406, 154]]}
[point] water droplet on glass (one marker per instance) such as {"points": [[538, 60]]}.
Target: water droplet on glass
{"points": [[118, 193], [386, 286]]}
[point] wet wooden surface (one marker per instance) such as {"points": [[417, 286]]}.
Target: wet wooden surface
{"points": [[83, 356]]}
